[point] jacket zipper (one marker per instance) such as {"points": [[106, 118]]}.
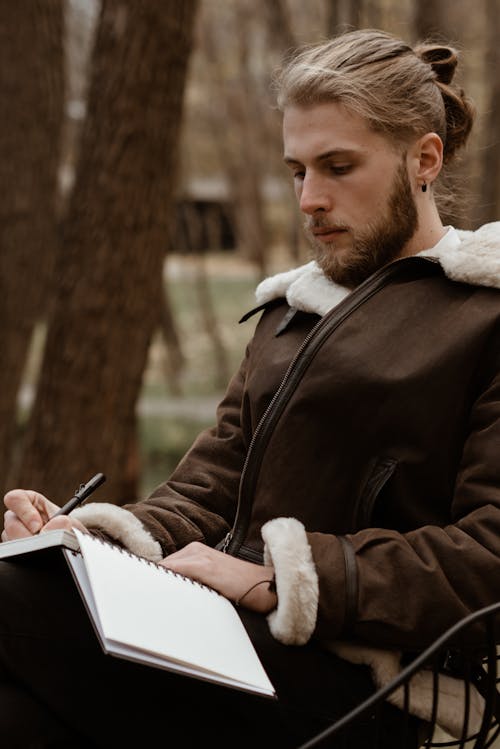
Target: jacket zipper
{"points": [[297, 367]]}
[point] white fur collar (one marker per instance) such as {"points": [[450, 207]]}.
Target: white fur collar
{"points": [[474, 259], [305, 288], [467, 256]]}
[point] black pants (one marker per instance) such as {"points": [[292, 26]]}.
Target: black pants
{"points": [[57, 688]]}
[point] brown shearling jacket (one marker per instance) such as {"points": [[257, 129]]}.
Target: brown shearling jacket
{"points": [[357, 449]]}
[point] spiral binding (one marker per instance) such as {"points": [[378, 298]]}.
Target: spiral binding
{"points": [[156, 565]]}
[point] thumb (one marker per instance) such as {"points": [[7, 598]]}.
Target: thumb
{"points": [[63, 522]]}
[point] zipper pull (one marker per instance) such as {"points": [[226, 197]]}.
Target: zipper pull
{"points": [[226, 542]]}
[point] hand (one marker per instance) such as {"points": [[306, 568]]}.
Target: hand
{"points": [[228, 575], [29, 512]]}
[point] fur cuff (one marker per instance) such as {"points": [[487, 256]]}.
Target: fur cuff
{"points": [[385, 666], [122, 525], [287, 550]]}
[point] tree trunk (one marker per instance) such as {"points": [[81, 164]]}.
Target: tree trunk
{"points": [[429, 20], [207, 312], [211, 324], [435, 21], [278, 24], [239, 93], [31, 87], [490, 182], [115, 236], [343, 15], [175, 359]]}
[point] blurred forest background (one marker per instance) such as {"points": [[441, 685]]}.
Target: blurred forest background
{"points": [[144, 196]]}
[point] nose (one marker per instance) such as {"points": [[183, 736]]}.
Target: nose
{"points": [[313, 194]]}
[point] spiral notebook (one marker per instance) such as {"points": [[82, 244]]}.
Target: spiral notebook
{"points": [[143, 612]]}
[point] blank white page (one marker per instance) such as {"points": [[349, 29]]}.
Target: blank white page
{"points": [[148, 608]]}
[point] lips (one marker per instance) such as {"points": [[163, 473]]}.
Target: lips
{"points": [[327, 233]]}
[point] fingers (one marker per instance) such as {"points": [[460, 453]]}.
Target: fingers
{"points": [[13, 527], [26, 514], [234, 578], [63, 522], [189, 560]]}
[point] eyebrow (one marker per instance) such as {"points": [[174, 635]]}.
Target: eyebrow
{"points": [[323, 156]]}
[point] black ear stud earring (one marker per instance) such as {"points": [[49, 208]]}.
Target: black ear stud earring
{"points": [[424, 187]]}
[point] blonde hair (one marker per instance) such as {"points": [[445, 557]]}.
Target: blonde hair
{"points": [[403, 92]]}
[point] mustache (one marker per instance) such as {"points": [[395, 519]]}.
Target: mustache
{"points": [[311, 222]]}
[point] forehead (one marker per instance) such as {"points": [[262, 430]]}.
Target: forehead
{"points": [[319, 128]]}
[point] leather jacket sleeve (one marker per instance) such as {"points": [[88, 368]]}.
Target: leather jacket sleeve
{"points": [[198, 502]]}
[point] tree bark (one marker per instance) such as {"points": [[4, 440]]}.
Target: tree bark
{"points": [[490, 182], [175, 359], [429, 20], [278, 24], [343, 15], [435, 22], [114, 236], [243, 100], [207, 312], [31, 87]]}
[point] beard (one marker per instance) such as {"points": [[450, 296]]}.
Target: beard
{"points": [[379, 243]]}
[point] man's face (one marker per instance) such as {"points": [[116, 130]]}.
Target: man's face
{"points": [[353, 188]]}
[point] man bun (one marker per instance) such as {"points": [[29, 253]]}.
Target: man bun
{"points": [[459, 110], [443, 60]]}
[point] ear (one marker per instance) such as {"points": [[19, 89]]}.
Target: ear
{"points": [[426, 159]]}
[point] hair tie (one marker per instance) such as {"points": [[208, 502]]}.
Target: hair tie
{"points": [[271, 588]]}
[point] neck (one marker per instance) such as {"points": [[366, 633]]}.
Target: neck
{"points": [[430, 230]]}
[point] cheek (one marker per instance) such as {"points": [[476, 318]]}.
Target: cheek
{"points": [[371, 199]]}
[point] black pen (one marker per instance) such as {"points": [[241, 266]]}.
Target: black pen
{"points": [[81, 494]]}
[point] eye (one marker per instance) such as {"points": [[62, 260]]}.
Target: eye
{"points": [[340, 169], [299, 174]]}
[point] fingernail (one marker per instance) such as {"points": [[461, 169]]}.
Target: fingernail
{"points": [[34, 526]]}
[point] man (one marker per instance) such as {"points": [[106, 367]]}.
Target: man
{"points": [[355, 454]]}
